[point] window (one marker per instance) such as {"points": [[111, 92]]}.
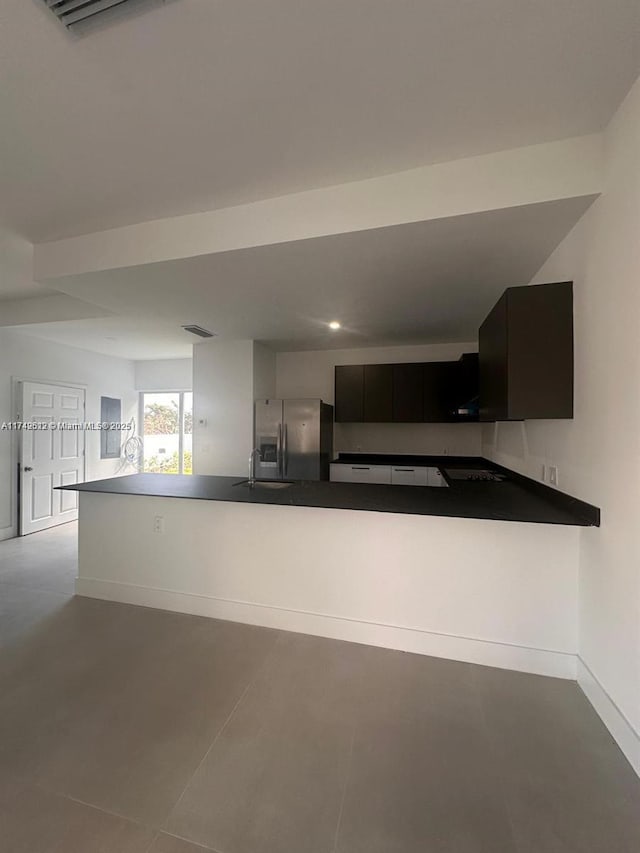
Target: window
{"points": [[167, 431]]}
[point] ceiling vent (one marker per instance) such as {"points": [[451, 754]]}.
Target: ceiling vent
{"points": [[199, 331], [72, 12]]}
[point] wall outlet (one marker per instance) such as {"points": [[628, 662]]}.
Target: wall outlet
{"points": [[553, 475], [158, 524], [543, 473]]}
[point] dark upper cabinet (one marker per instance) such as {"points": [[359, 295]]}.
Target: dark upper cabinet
{"points": [[349, 393], [526, 354], [492, 343], [408, 393], [451, 390], [378, 393], [437, 391], [467, 383]]}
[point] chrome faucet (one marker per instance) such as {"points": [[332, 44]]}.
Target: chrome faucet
{"points": [[252, 464]]}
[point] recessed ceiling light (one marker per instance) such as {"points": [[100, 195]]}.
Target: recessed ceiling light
{"points": [[334, 325]]}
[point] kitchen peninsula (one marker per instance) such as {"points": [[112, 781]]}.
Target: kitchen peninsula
{"points": [[481, 571]]}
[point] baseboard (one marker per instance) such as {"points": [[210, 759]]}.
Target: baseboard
{"points": [[470, 650], [627, 738], [7, 533]]}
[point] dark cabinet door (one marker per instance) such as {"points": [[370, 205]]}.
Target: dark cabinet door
{"points": [[378, 393], [437, 378], [349, 393], [467, 379], [526, 354], [540, 344], [407, 393], [492, 339]]}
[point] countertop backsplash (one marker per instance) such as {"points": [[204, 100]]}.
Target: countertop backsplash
{"points": [[430, 439]]}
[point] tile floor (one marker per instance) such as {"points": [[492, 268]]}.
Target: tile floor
{"points": [[127, 730]]}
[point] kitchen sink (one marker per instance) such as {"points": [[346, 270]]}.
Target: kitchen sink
{"points": [[265, 484]]}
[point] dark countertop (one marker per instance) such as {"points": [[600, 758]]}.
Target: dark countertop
{"points": [[517, 499], [412, 459]]}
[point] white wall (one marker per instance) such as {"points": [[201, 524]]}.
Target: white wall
{"points": [[16, 263], [227, 377], [169, 374], [26, 357], [492, 592], [222, 406], [264, 372], [598, 452], [311, 374]]}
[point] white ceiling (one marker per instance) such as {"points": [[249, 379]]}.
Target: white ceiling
{"points": [[424, 282], [136, 338], [198, 104]]}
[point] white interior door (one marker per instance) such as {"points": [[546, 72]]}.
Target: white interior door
{"points": [[50, 457]]}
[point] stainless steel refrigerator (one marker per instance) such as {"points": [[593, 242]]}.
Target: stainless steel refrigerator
{"points": [[295, 439]]}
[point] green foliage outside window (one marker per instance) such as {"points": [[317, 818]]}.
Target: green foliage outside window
{"points": [[168, 464], [160, 419]]}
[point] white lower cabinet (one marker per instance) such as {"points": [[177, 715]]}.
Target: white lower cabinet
{"points": [[403, 475], [397, 475], [341, 473]]}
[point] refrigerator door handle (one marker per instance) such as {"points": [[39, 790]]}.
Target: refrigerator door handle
{"points": [[279, 450], [285, 451]]}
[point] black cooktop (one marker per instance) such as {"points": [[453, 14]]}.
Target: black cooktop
{"points": [[479, 475]]}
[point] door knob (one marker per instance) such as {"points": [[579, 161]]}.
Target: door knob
{"points": [[26, 468]]}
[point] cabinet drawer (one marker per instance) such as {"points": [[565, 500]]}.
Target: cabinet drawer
{"points": [[341, 473], [407, 475], [397, 475]]}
